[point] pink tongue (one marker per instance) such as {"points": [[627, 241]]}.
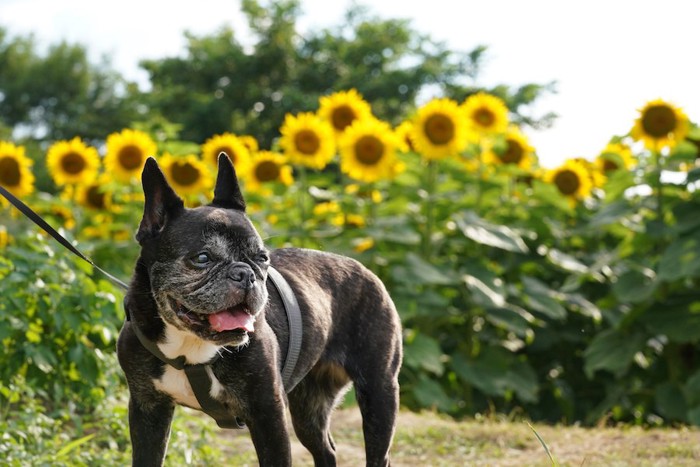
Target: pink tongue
{"points": [[228, 320]]}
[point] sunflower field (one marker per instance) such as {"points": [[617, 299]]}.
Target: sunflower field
{"points": [[567, 294]]}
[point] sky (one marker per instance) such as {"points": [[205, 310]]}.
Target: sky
{"points": [[608, 57]]}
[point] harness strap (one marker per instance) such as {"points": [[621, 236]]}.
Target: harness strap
{"points": [[293, 312]]}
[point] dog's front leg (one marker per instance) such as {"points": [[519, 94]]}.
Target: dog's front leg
{"points": [[150, 431], [268, 430]]}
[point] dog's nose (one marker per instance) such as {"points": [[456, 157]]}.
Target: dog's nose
{"points": [[242, 274]]}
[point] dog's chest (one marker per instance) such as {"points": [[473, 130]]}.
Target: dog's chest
{"points": [[174, 383]]}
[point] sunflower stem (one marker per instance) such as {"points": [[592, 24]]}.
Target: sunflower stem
{"points": [[431, 178], [303, 212], [658, 163]]}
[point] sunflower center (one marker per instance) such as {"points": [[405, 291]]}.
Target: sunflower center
{"points": [[659, 120], [307, 142], [440, 129], [369, 150], [513, 153], [609, 166], [10, 174], [484, 117], [267, 171], [567, 181], [73, 163], [130, 157], [95, 197], [184, 173], [342, 117]]}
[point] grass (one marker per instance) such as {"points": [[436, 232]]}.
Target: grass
{"points": [[430, 439]]}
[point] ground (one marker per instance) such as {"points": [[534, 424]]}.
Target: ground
{"points": [[430, 439]]}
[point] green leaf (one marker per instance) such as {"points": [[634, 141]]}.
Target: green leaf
{"points": [[497, 236], [429, 393], [679, 323], [549, 195], [610, 214], [612, 350], [426, 273], [484, 294], [681, 259], [692, 389], [424, 352], [509, 319], [635, 286], [566, 261], [670, 402], [495, 372], [542, 299], [694, 416]]}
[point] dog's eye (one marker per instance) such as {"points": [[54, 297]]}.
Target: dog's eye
{"points": [[263, 257], [201, 259]]}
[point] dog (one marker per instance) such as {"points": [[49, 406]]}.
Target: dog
{"points": [[200, 295]]}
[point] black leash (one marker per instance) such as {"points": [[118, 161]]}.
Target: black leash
{"points": [[38, 220], [197, 375]]}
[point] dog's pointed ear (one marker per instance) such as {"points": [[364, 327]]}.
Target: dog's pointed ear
{"points": [[162, 203], [227, 192]]}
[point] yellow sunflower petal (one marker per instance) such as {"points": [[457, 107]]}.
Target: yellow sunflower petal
{"points": [[307, 140], [188, 175], [72, 162], [517, 151], [342, 108], [660, 125], [572, 179], [486, 114], [615, 156], [268, 167], [15, 170], [127, 152], [230, 144], [439, 129], [368, 150]]}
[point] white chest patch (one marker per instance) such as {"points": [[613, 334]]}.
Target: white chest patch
{"points": [[174, 382]]}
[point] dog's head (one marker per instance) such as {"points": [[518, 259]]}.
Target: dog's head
{"points": [[207, 265]]}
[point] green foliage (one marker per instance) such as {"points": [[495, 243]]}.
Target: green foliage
{"points": [[58, 325]]}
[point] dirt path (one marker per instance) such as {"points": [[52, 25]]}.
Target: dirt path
{"points": [[431, 440]]}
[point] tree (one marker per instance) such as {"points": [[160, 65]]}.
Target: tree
{"points": [[219, 85], [60, 95]]}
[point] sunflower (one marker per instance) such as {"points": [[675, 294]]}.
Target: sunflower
{"points": [[307, 140], [4, 237], [230, 144], [268, 167], [403, 131], [439, 129], [127, 152], [72, 162], [93, 195], [188, 175], [368, 150], [615, 156], [486, 114], [572, 179], [516, 152], [342, 108], [15, 170], [250, 143], [660, 124]]}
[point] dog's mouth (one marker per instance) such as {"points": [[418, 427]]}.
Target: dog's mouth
{"points": [[237, 317]]}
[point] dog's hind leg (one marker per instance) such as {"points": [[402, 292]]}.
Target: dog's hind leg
{"points": [[311, 404], [377, 389]]}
